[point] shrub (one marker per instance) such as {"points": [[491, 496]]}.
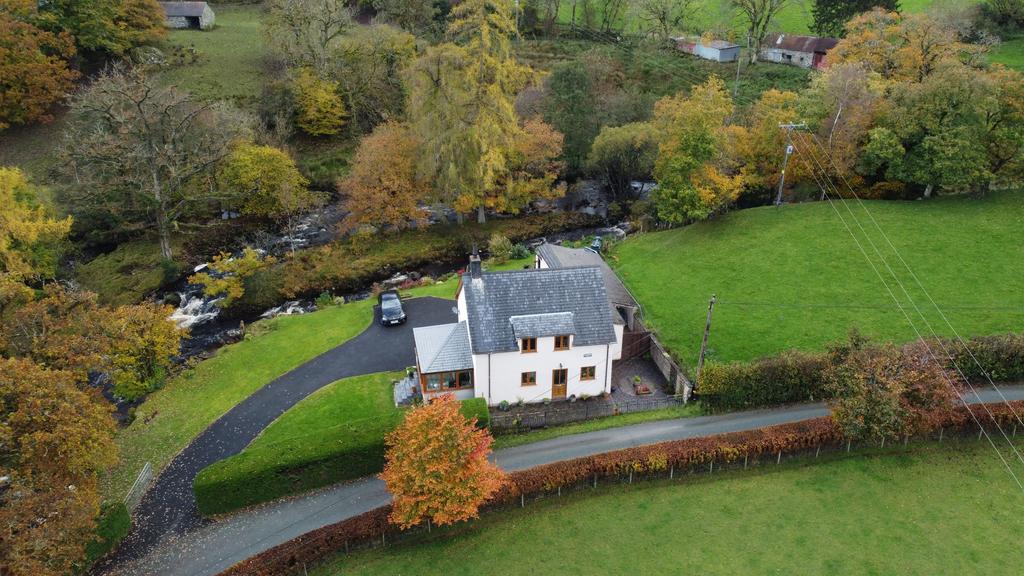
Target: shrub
{"points": [[477, 408], [111, 527], [1002, 356], [519, 252], [500, 248]]}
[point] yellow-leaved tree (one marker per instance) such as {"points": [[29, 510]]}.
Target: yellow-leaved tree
{"points": [[694, 170], [321, 111], [226, 276]]}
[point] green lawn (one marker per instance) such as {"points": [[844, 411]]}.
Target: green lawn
{"points": [[792, 277], [951, 510], [1010, 53], [334, 434], [231, 56]]}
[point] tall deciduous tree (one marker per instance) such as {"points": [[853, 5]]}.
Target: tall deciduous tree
{"points": [[623, 154], [533, 168], [461, 103], [135, 150], [695, 178], [34, 73], [571, 107], [305, 31], [759, 15], [437, 467], [368, 65], [417, 16], [903, 48], [54, 440], [385, 192], [226, 276], [29, 237], [110, 26], [831, 16], [759, 147]]}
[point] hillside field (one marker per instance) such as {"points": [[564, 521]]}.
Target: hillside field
{"points": [[793, 277], [949, 510]]}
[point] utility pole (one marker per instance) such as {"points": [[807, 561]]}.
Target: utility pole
{"points": [[704, 342], [739, 60], [785, 159]]}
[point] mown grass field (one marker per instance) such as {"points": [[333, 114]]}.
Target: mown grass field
{"points": [[792, 277], [230, 64], [948, 510]]}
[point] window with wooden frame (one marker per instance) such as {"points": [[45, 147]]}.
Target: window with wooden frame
{"points": [[528, 379], [561, 342], [560, 377], [529, 345], [588, 372]]}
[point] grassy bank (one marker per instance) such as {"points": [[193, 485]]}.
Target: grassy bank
{"points": [[793, 278], [871, 514]]}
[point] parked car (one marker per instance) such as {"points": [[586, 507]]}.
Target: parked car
{"points": [[391, 312]]}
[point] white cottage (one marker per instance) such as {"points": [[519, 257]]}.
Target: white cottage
{"points": [[529, 335], [188, 15]]}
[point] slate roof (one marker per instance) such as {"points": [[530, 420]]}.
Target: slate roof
{"points": [[809, 44], [494, 298], [443, 348], [543, 325], [186, 9], [562, 257]]}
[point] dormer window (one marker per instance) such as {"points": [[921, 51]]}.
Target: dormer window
{"points": [[561, 342], [529, 345]]}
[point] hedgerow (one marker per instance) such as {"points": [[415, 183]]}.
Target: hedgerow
{"points": [[798, 376], [679, 455]]}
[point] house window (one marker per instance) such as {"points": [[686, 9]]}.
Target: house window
{"points": [[561, 342], [588, 373], [528, 378], [529, 345], [440, 381]]}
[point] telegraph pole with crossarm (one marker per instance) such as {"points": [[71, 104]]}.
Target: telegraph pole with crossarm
{"points": [[785, 159]]}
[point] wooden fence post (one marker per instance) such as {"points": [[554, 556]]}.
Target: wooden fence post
{"points": [[745, 461], [779, 459], [818, 451], [941, 431], [672, 472], [522, 501]]}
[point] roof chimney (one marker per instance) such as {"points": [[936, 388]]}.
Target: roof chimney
{"points": [[475, 269]]}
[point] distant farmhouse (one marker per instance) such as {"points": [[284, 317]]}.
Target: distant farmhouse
{"points": [[715, 50], [803, 51], [197, 15]]}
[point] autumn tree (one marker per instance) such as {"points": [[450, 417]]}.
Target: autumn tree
{"points": [[385, 193], [533, 167], [106, 26], [321, 111], [265, 182], [437, 467], [305, 31], [68, 330], [461, 103], [30, 238], [134, 153], [693, 171], [831, 16], [368, 64], [54, 441], [932, 134], [623, 154], [663, 17], [758, 147], [759, 15], [902, 48], [34, 72], [885, 392], [842, 104]]}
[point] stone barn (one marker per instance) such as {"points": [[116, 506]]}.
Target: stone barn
{"points": [[803, 51], [197, 15]]}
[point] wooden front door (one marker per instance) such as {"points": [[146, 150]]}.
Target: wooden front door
{"points": [[559, 381]]}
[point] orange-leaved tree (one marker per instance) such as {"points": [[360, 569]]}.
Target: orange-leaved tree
{"points": [[437, 467]]}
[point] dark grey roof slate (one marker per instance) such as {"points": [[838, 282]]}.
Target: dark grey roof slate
{"points": [[495, 297], [443, 348], [562, 257], [187, 9], [543, 325]]}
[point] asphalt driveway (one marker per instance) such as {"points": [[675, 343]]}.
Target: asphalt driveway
{"points": [[168, 509]]}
